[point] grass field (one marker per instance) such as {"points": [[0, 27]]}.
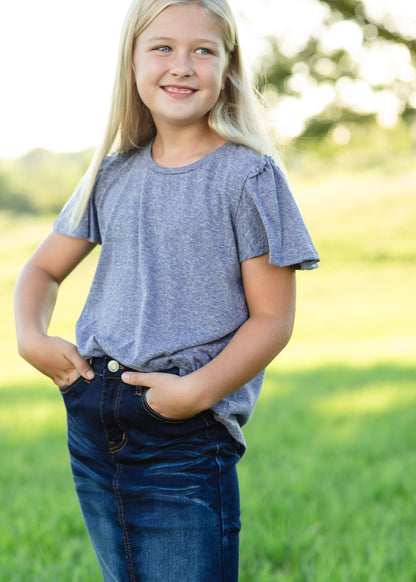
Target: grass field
{"points": [[328, 481]]}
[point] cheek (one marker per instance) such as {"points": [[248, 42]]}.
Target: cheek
{"points": [[143, 77], [142, 92], [214, 76], [140, 86]]}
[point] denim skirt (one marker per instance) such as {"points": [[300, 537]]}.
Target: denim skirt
{"points": [[159, 496]]}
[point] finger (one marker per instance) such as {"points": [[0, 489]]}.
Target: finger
{"points": [[136, 378], [81, 365]]}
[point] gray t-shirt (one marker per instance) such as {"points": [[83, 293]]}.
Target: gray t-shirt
{"points": [[168, 291]]}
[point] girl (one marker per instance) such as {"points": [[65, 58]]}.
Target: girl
{"points": [[194, 294]]}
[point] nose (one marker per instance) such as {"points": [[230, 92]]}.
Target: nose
{"points": [[181, 65]]}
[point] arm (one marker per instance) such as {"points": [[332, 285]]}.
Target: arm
{"points": [[270, 295], [35, 297]]}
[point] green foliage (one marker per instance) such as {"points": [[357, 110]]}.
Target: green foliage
{"points": [[386, 29], [339, 72], [41, 181], [12, 199]]}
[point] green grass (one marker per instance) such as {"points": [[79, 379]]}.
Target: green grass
{"points": [[327, 483], [42, 536]]}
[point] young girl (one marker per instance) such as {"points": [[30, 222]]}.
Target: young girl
{"points": [[194, 294]]}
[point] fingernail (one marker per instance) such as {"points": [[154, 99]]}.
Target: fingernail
{"points": [[125, 377], [90, 375]]}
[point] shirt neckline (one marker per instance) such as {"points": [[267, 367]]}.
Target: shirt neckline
{"points": [[181, 169]]}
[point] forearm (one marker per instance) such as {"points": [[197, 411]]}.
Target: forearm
{"points": [[34, 299], [270, 294], [258, 341], [37, 285]]}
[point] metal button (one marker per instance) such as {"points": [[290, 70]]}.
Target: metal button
{"points": [[113, 366]]}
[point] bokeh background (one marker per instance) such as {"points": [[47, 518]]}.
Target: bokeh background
{"points": [[328, 480]]}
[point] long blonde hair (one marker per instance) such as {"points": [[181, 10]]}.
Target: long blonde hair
{"points": [[236, 117]]}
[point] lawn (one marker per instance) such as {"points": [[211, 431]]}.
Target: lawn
{"points": [[327, 483]]}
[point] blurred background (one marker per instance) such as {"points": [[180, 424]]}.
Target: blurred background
{"points": [[327, 483]]}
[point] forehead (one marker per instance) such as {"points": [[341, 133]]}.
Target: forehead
{"points": [[184, 21]]}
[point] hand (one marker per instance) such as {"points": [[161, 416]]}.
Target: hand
{"points": [[168, 394], [58, 359]]}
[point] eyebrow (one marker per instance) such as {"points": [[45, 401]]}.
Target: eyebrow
{"points": [[196, 40]]}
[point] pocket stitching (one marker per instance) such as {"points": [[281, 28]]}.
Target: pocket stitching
{"points": [[149, 410], [69, 387]]}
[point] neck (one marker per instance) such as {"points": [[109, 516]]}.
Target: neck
{"points": [[175, 147]]}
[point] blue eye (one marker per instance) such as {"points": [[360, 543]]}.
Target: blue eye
{"points": [[204, 51], [163, 49]]}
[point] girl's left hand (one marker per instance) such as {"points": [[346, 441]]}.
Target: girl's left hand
{"points": [[168, 394]]}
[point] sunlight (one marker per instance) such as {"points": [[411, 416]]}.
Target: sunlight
{"points": [[374, 400], [346, 35], [381, 64], [26, 422], [59, 78]]}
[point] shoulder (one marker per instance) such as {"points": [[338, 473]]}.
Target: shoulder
{"points": [[242, 156], [112, 169], [116, 163], [248, 163]]}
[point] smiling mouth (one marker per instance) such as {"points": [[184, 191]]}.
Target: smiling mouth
{"points": [[178, 91]]}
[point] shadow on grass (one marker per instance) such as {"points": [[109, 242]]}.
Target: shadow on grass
{"points": [[328, 480], [327, 483]]}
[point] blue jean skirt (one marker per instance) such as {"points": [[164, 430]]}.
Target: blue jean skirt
{"points": [[159, 496]]}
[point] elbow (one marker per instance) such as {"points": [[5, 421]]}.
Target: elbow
{"points": [[22, 351], [286, 334], [283, 331]]}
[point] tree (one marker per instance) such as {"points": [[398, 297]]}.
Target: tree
{"points": [[389, 29], [360, 66], [40, 182]]}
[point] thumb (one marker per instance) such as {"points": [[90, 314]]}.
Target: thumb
{"points": [[80, 364], [137, 378]]}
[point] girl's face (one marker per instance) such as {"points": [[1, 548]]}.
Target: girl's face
{"points": [[179, 65]]}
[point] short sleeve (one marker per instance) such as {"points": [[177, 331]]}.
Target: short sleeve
{"points": [[268, 221], [88, 228]]}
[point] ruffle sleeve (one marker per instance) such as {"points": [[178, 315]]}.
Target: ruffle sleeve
{"points": [[89, 227], [268, 221]]}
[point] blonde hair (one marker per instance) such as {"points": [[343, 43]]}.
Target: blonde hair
{"points": [[236, 116]]}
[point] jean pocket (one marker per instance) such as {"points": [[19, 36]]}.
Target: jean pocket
{"points": [[69, 387], [158, 416]]}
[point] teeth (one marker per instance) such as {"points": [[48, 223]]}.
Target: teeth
{"points": [[176, 90]]}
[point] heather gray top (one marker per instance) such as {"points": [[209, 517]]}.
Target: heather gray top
{"points": [[167, 291]]}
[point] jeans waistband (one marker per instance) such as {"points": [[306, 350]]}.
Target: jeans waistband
{"points": [[110, 366]]}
